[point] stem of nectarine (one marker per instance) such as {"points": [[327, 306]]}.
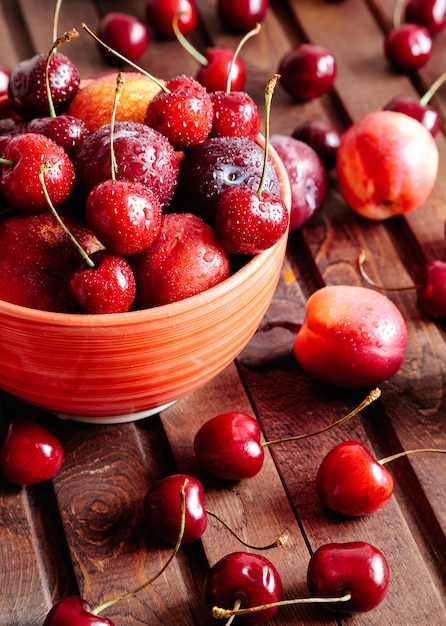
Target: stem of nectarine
{"points": [[221, 613], [398, 455], [148, 582], [371, 397]]}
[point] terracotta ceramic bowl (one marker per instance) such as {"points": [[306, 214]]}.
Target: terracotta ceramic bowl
{"points": [[121, 367]]}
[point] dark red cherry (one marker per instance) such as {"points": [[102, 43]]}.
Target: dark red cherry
{"points": [[322, 137], [426, 114], [228, 446], [124, 33], [408, 47], [160, 13], [214, 74], [29, 453], [74, 611], [431, 289], [241, 15], [350, 481], [307, 71], [5, 73], [355, 567], [163, 508], [428, 13], [246, 577], [65, 130]]}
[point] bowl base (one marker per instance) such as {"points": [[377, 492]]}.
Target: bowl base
{"points": [[114, 419]]}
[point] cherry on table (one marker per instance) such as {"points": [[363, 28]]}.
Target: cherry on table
{"points": [[160, 15], [307, 71], [123, 32], [74, 611], [429, 13], [322, 137], [431, 289], [241, 15], [355, 567], [29, 453], [426, 114], [244, 580], [408, 47]]}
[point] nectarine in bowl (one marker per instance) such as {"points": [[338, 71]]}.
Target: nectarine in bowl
{"points": [[119, 367]]}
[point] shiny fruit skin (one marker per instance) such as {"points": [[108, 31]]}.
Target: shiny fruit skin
{"points": [[241, 15], [431, 289], [427, 115], [214, 75], [65, 130], [356, 567], [351, 337], [5, 73], [162, 505], [160, 13], [307, 71], [322, 137], [29, 453], [408, 47], [350, 481], [74, 611], [124, 33], [250, 577], [429, 13], [235, 115], [228, 446], [411, 157], [307, 176]]}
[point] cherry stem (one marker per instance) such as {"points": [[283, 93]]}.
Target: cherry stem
{"points": [[269, 90], [202, 60], [277, 543], [372, 396], [432, 89], [237, 605], [148, 582], [120, 80], [65, 38], [251, 33], [398, 455], [56, 19], [360, 262], [158, 82], [221, 613], [398, 13], [8, 162], [42, 171]]}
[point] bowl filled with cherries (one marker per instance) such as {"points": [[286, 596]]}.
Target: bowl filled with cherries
{"points": [[141, 243]]}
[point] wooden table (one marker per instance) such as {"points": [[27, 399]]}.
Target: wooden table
{"points": [[84, 532]]}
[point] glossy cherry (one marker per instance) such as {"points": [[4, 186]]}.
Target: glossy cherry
{"points": [[163, 508], [74, 611], [214, 72], [429, 13], [241, 15], [29, 453], [356, 567], [426, 114], [124, 33], [431, 289], [408, 47], [5, 73], [307, 71], [235, 115], [350, 481], [242, 580], [322, 137], [160, 15]]}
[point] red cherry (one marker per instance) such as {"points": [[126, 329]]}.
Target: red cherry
{"points": [[248, 578], [29, 453], [20, 181], [160, 14], [350, 481], [163, 508], [214, 74], [322, 137], [107, 287], [235, 115], [428, 13], [431, 289], [74, 611], [182, 111], [307, 71], [228, 446], [241, 15], [408, 47], [426, 114], [124, 33], [356, 567], [124, 215], [65, 130]]}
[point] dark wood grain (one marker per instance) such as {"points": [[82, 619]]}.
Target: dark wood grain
{"points": [[84, 532]]}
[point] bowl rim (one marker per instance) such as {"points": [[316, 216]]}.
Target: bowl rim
{"points": [[173, 309]]}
